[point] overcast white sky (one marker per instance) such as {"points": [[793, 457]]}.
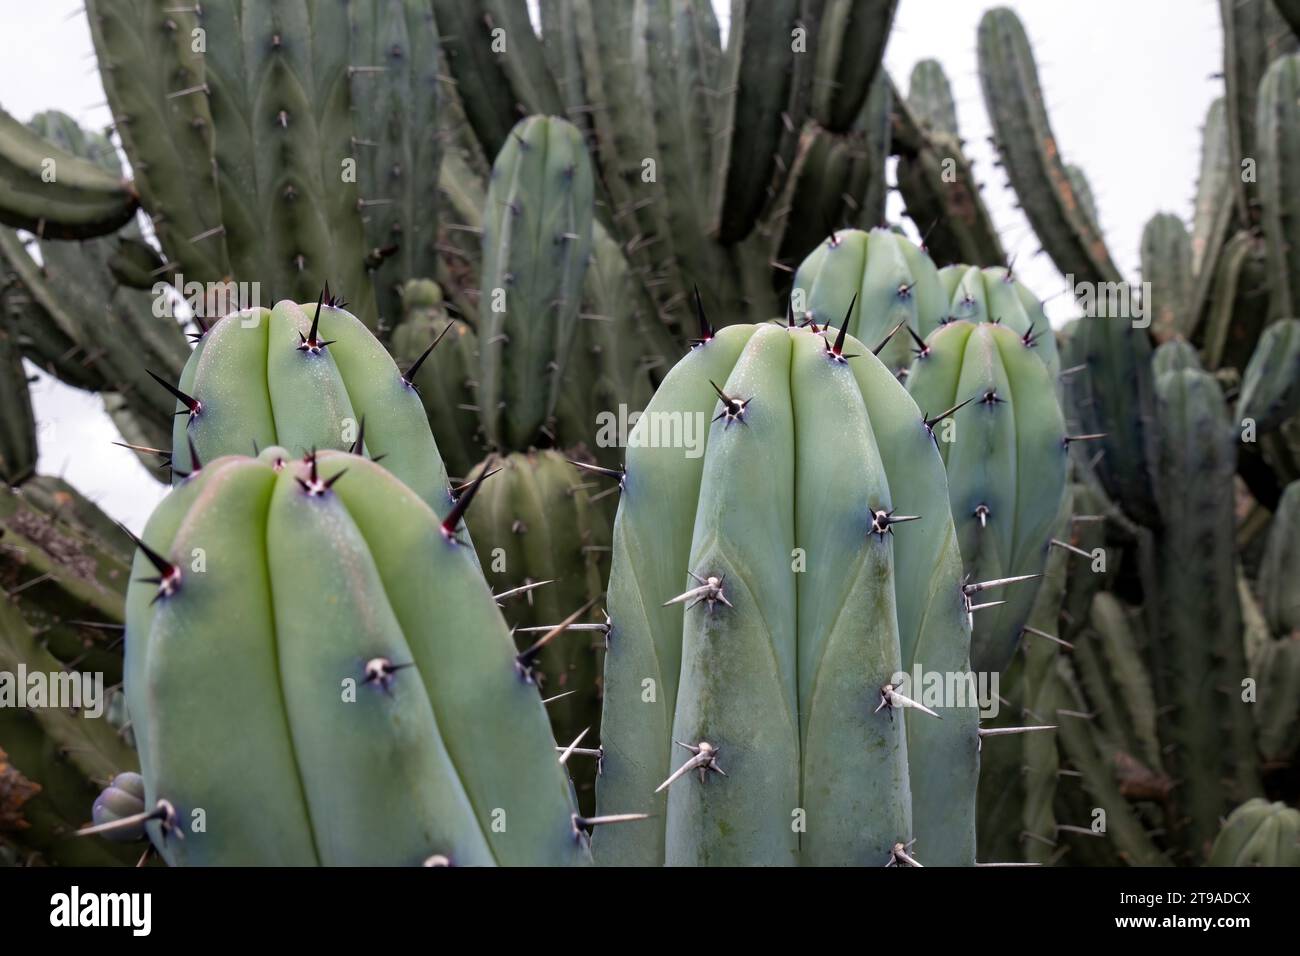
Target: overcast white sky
{"points": [[1127, 82]]}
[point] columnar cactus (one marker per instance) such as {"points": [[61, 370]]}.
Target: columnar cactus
{"points": [[536, 246], [1167, 272], [304, 377], [994, 294], [1276, 123], [325, 617], [935, 179], [783, 549], [535, 527], [1259, 833], [1024, 138], [1199, 659], [54, 193], [1270, 385], [1110, 392], [1006, 452], [870, 282], [17, 423], [446, 387]]}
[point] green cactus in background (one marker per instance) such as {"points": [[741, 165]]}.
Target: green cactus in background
{"points": [[1270, 385], [871, 283], [55, 193], [1024, 138], [1276, 123], [1213, 209], [393, 736], [1174, 356], [1259, 833], [1110, 392], [70, 317], [756, 632], [839, 179], [53, 760], [1199, 656], [303, 377], [1018, 778], [1167, 272], [936, 180], [18, 447], [536, 245], [1253, 37], [447, 387], [535, 527]]}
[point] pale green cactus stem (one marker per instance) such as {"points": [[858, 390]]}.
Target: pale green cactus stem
{"points": [[341, 631], [762, 605]]}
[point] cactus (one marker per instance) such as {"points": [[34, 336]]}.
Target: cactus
{"points": [[534, 523], [1259, 833], [1270, 386], [1083, 192], [766, 85], [852, 40], [1006, 457], [1009, 79], [52, 760], [54, 193], [447, 387], [994, 294], [1213, 208], [536, 245], [622, 350], [838, 179], [65, 576], [870, 283], [396, 102], [1279, 572], [1018, 780], [154, 80], [1167, 272], [288, 209], [1253, 37], [70, 317], [930, 97], [1200, 659], [1276, 123], [1236, 307], [18, 448], [1109, 391], [1173, 356], [303, 377], [1276, 668], [122, 799], [435, 731], [936, 179], [710, 626], [498, 65]]}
